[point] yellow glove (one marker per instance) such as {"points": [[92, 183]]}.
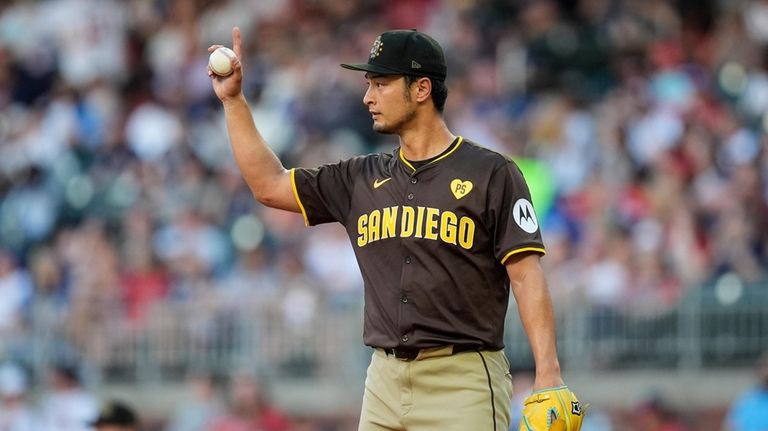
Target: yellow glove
{"points": [[552, 409]]}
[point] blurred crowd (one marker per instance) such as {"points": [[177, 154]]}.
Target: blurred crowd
{"points": [[67, 405], [243, 402], [646, 122]]}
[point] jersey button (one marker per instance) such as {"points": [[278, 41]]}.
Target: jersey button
{"points": [[414, 180], [410, 196], [408, 260], [404, 299], [405, 339]]}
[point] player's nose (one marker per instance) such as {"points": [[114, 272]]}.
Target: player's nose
{"points": [[367, 97]]}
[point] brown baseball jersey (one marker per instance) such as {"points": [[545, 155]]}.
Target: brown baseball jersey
{"points": [[431, 242]]}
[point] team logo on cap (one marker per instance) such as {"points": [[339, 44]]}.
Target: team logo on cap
{"points": [[524, 216], [378, 45]]}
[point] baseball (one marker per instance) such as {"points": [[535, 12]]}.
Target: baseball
{"points": [[220, 61]]}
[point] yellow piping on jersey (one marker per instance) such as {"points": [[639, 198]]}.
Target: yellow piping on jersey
{"points": [[406, 162], [296, 195], [455, 147], [521, 250]]}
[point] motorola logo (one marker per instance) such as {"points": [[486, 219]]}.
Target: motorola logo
{"points": [[524, 216]]}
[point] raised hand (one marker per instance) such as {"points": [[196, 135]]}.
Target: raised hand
{"points": [[228, 87]]}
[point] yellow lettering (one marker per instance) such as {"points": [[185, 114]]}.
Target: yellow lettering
{"points": [[448, 227], [406, 222], [388, 222], [419, 221], [373, 225], [466, 232], [362, 230], [430, 231]]}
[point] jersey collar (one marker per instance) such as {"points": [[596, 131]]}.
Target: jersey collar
{"points": [[454, 146]]}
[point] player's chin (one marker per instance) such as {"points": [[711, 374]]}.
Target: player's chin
{"points": [[383, 129]]}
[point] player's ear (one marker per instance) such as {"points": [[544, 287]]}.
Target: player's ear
{"points": [[423, 89]]}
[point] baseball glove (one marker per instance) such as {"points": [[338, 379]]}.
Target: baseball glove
{"points": [[553, 409]]}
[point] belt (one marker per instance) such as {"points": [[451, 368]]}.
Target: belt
{"points": [[411, 353]]}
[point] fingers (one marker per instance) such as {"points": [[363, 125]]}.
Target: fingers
{"points": [[236, 41], [236, 47], [236, 65]]}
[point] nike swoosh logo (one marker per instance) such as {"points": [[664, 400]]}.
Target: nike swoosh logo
{"points": [[377, 183]]}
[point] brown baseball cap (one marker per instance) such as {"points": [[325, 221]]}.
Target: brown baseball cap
{"points": [[404, 52]]}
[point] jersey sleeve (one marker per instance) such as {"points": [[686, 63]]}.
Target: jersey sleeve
{"points": [[324, 193], [514, 223]]}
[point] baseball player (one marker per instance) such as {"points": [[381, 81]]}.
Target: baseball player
{"points": [[442, 229]]}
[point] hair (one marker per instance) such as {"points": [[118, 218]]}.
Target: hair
{"points": [[439, 90]]}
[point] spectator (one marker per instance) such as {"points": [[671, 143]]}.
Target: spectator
{"points": [[67, 406], [15, 412], [655, 415], [200, 409], [15, 292], [748, 412], [249, 409], [144, 283], [339, 276]]}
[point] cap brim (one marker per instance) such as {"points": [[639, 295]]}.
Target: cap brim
{"points": [[373, 68]]}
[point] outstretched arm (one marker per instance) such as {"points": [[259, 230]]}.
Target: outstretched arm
{"points": [[535, 308], [265, 175]]}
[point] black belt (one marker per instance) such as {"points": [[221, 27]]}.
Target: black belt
{"points": [[410, 353]]}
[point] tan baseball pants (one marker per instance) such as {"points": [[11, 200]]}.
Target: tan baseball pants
{"points": [[438, 391]]}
